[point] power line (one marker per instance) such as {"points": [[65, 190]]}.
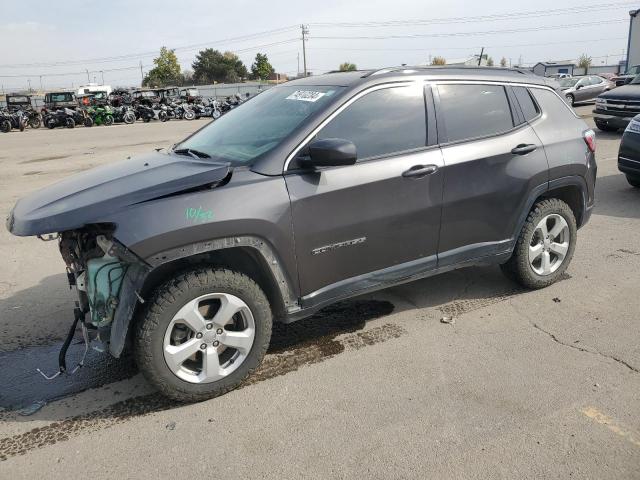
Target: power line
{"points": [[478, 18], [152, 53], [475, 47], [466, 34]]}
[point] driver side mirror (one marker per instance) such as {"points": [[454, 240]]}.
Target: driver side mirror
{"points": [[330, 152], [579, 86]]}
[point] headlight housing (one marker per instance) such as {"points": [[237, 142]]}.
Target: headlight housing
{"points": [[600, 101], [634, 125]]}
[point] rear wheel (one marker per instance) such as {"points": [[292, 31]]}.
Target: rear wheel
{"points": [[162, 116], [545, 246], [35, 122], [633, 181], [70, 123], [5, 126], [51, 122], [203, 333], [108, 120], [88, 122], [129, 118], [189, 115]]}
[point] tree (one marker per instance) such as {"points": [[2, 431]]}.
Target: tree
{"points": [[187, 77], [438, 61], [261, 68], [584, 62], [347, 67], [166, 70], [503, 62], [211, 66], [489, 62]]}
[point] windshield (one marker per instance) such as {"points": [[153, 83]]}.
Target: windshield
{"points": [[256, 127], [636, 81], [17, 99], [568, 82]]}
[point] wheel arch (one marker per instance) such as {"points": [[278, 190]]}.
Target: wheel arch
{"points": [[251, 256]]}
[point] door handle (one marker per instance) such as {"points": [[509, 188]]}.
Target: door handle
{"points": [[419, 171], [523, 149]]}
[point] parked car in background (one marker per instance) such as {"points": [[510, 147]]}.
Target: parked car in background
{"points": [[627, 76], [190, 95], [197, 243], [146, 96], [583, 89], [616, 108], [558, 76], [629, 153]]}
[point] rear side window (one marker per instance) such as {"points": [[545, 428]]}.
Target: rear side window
{"points": [[471, 111], [527, 105], [382, 122], [552, 104]]}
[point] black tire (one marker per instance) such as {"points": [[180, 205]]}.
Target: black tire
{"points": [[108, 120], [88, 122], [165, 303], [570, 100], [605, 128], [633, 181], [189, 115], [518, 267], [162, 116], [146, 119], [22, 125], [70, 123], [51, 123], [129, 118], [5, 126], [35, 122]]}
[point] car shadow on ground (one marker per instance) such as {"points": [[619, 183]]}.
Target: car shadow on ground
{"points": [[328, 333], [616, 198]]}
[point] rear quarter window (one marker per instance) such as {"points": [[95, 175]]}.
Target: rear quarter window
{"points": [[527, 105], [552, 104]]}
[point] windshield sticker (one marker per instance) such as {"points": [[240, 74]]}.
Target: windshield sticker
{"points": [[306, 96], [196, 215]]}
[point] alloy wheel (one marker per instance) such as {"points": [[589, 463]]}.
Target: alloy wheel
{"points": [[209, 338], [549, 244]]}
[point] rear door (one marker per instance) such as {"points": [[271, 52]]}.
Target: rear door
{"points": [[352, 220], [493, 160]]}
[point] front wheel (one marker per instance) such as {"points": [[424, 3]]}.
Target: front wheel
{"points": [[5, 126], [162, 116], [189, 115], [545, 246], [35, 122], [70, 123], [129, 118], [633, 181], [605, 128], [203, 333], [108, 120], [571, 100]]}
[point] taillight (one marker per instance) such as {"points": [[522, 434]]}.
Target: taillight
{"points": [[590, 139]]}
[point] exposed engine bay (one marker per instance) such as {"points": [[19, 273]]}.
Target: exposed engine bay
{"points": [[97, 266]]}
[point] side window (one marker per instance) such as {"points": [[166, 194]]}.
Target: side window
{"points": [[595, 80], [471, 111], [528, 106], [382, 122], [552, 105]]}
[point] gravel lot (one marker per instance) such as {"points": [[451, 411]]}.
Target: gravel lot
{"points": [[542, 384]]}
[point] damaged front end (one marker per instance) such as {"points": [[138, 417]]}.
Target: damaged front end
{"points": [[107, 277]]}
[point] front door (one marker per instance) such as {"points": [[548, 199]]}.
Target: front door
{"points": [[377, 214]]}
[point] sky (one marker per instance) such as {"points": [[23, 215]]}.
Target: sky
{"points": [[53, 44]]}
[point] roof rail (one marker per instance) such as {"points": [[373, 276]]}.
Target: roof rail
{"points": [[448, 67]]}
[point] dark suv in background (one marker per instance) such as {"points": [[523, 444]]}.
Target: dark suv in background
{"points": [[616, 108], [315, 191]]}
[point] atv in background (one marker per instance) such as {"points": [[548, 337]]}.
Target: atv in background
{"points": [[22, 103]]}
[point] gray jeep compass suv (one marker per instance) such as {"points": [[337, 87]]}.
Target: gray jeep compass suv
{"points": [[314, 191]]}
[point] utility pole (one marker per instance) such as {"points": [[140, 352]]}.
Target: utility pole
{"points": [[298, 64], [305, 31], [41, 89], [480, 58], [88, 79], [141, 72], [102, 73], [29, 82]]}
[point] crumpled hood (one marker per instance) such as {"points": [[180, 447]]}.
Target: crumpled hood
{"points": [[91, 196]]}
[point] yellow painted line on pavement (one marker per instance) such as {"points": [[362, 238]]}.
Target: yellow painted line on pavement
{"points": [[596, 415]]}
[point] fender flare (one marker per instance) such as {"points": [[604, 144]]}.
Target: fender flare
{"points": [[136, 277]]}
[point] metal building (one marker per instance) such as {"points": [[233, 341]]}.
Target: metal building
{"points": [[633, 47]]}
